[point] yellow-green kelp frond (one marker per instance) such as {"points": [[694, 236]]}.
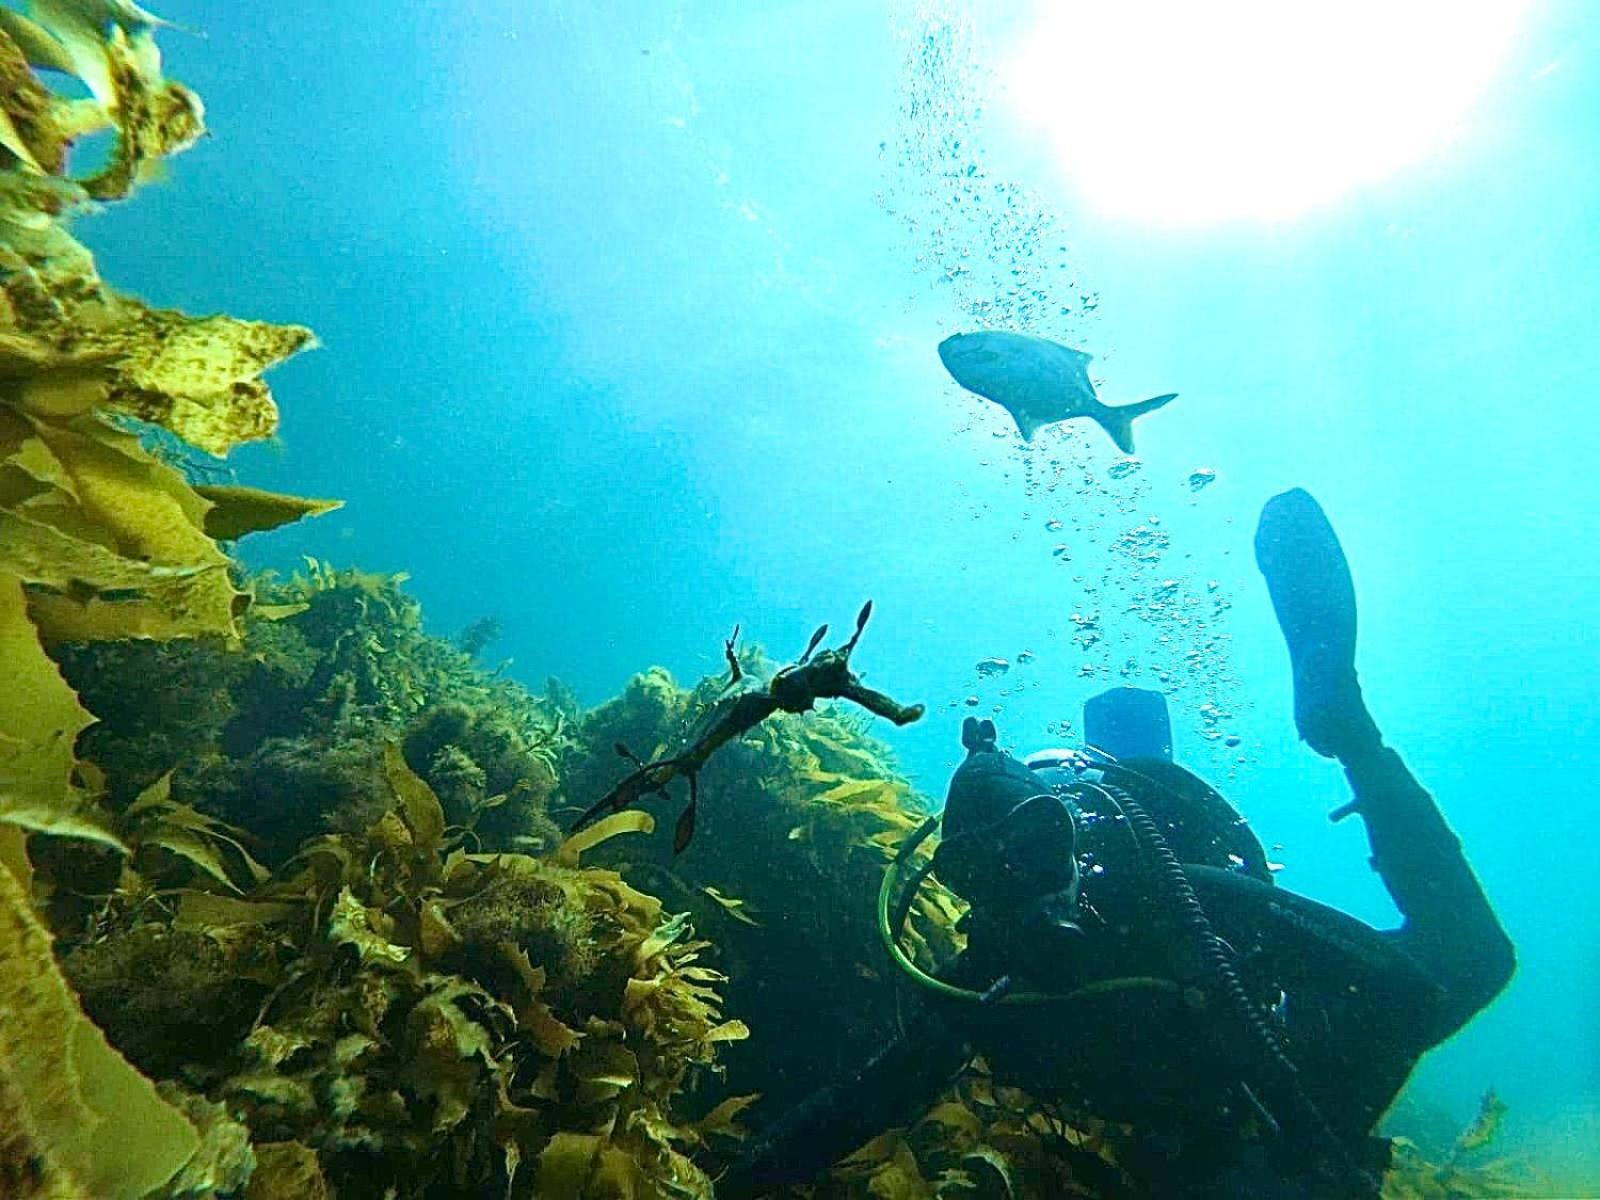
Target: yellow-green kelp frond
{"points": [[109, 541], [110, 46], [101, 542], [75, 1119], [98, 539], [982, 1139], [72, 347], [1469, 1167], [40, 719]]}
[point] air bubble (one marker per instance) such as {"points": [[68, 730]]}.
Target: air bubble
{"points": [[1124, 467]]}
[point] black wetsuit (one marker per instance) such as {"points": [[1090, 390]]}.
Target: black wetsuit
{"points": [[1349, 1009]]}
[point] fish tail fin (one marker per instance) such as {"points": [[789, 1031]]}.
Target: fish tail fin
{"points": [[1118, 421]]}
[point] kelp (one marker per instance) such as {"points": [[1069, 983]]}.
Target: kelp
{"points": [[394, 999], [223, 1163], [236, 511], [110, 46], [1468, 1168], [392, 1006], [981, 1139], [40, 719], [98, 539], [423, 1017], [281, 735], [78, 1121]]}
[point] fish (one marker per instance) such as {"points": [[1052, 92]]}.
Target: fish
{"points": [[1039, 382]]}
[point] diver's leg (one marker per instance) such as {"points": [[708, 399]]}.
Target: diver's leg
{"points": [[1449, 927]]}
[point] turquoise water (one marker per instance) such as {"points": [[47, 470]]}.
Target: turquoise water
{"points": [[629, 329]]}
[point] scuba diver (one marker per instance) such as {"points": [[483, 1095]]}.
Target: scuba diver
{"points": [[1129, 957]]}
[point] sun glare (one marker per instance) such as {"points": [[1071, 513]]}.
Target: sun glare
{"points": [[1185, 113]]}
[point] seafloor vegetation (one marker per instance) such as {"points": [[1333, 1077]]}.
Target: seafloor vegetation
{"points": [[286, 908]]}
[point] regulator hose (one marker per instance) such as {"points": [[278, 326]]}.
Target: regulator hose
{"points": [[1178, 896]]}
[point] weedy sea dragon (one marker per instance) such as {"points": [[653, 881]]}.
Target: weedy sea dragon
{"points": [[795, 689]]}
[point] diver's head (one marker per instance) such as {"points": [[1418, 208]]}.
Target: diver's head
{"points": [[988, 785], [1005, 837]]}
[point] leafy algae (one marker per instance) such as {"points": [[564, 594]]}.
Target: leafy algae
{"points": [[416, 1013], [97, 538], [77, 1119]]}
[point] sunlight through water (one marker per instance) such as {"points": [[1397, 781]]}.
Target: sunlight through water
{"points": [[1187, 114]]}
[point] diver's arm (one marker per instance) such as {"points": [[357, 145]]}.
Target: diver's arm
{"points": [[1449, 926], [887, 1091]]}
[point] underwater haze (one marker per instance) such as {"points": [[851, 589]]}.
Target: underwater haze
{"points": [[629, 319]]}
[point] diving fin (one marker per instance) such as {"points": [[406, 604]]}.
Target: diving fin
{"points": [[1315, 601]]}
